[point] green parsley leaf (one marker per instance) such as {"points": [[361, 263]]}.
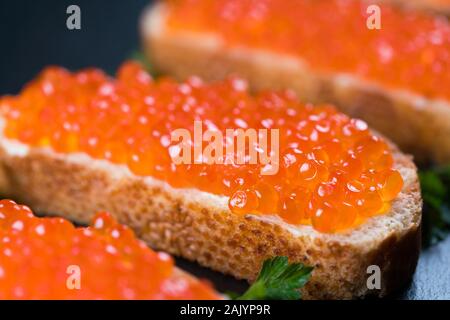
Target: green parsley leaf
{"points": [[278, 280], [435, 184]]}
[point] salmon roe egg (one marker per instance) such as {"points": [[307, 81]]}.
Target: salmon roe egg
{"points": [[48, 258], [411, 50], [332, 171]]}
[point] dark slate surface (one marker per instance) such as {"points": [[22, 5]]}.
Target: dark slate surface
{"points": [[33, 34], [432, 277]]}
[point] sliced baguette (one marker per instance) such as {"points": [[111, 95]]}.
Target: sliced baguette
{"points": [[418, 125], [199, 226]]}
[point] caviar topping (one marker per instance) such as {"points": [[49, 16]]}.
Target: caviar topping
{"points": [[48, 258], [410, 51], [332, 172]]}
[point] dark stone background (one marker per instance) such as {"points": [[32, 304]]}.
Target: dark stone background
{"points": [[33, 34]]}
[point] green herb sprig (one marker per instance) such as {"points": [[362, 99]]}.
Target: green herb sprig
{"points": [[278, 280], [435, 184]]}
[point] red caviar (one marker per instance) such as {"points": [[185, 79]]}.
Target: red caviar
{"points": [[410, 51], [40, 258], [129, 121]]}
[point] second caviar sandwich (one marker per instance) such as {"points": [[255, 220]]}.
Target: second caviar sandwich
{"points": [[49, 258], [343, 199], [396, 77]]}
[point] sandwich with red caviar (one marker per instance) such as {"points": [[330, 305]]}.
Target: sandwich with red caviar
{"points": [[341, 199], [395, 77], [49, 258]]}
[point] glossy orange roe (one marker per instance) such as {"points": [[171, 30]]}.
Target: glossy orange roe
{"points": [[40, 256], [410, 51], [325, 157]]}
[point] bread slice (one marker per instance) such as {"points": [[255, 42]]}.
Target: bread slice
{"points": [[200, 227], [416, 124]]}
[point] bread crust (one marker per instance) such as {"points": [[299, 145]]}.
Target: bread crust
{"points": [[416, 124], [199, 226]]}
